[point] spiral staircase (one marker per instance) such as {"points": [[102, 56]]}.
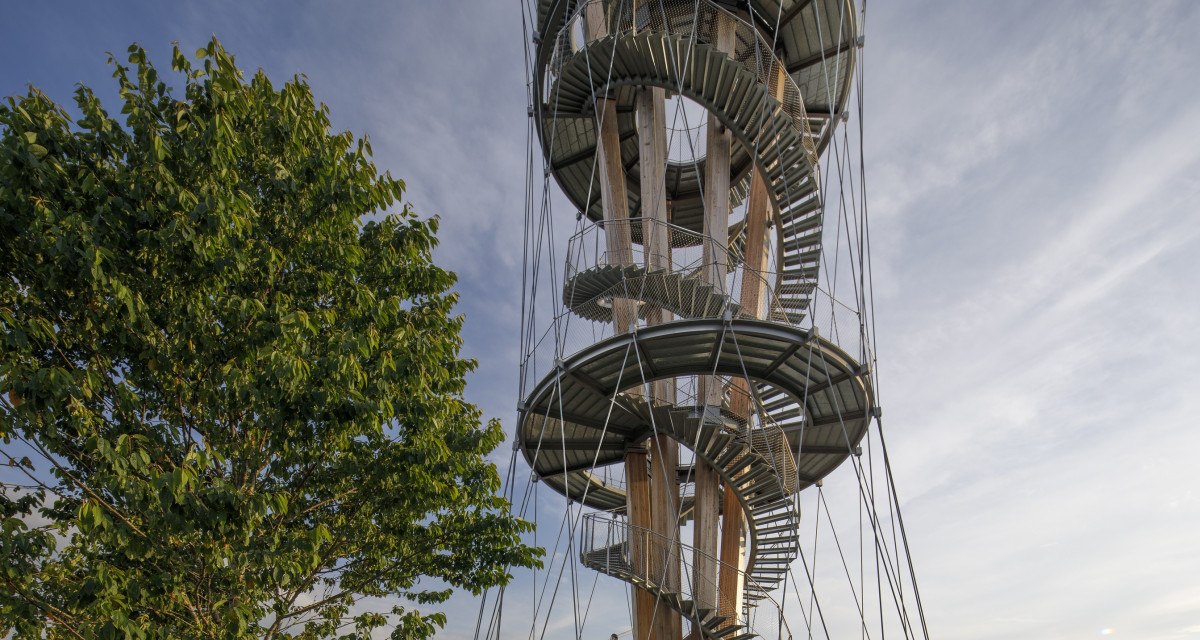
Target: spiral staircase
{"points": [[813, 402]]}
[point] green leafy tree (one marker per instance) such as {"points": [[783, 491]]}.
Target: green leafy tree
{"points": [[232, 408]]}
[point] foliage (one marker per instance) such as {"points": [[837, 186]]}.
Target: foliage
{"points": [[234, 408]]}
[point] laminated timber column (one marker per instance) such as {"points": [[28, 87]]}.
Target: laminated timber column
{"points": [[664, 450], [716, 239], [758, 215], [733, 521], [620, 252]]}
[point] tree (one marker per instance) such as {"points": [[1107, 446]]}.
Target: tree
{"points": [[232, 408]]}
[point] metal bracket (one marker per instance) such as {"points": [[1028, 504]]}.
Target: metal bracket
{"points": [[707, 414]]}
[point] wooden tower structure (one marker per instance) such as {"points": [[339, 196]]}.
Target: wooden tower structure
{"points": [[677, 386]]}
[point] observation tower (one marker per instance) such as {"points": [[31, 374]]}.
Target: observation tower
{"points": [[700, 354]]}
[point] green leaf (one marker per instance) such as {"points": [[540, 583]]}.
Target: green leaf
{"points": [[240, 379]]}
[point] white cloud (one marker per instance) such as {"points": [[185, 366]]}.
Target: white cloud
{"points": [[1035, 182]]}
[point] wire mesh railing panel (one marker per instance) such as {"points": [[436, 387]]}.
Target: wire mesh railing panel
{"points": [[752, 427], [677, 287], [610, 544], [695, 259], [815, 276], [695, 21]]}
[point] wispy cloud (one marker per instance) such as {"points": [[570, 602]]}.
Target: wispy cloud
{"points": [[1034, 183], [1038, 325]]}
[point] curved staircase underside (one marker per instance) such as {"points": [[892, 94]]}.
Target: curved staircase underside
{"points": [[580, 417], [779, 91]]}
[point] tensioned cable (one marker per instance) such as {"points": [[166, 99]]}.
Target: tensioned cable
{"points": [[545, 229], [878, 420], [574, 520], [903, 532], [559, 340], [840, 165], [867, 289], [845, 566], [854, 465], [867, 344], [864, 341], [812, 579], [521, 336], [862, 488]]}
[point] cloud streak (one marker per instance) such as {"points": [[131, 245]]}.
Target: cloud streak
{"points": [[1034, 181]]}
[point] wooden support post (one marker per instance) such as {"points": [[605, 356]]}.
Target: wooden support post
{"points": [[733, 522], [613, 197], [715, 257], [758, 215], [620, 252], [641, 552], [664, 451]]}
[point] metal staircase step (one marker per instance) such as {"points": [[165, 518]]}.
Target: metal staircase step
{"points": [[776, 529], [775, 405], [764, 516], [725, 632]]}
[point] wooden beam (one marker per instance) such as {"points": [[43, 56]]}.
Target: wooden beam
{"points": [[664, 451], [714, 268], [620, 252], [759, 212], [637, 506]]}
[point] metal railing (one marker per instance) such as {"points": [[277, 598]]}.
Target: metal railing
{"points": [[684, 253], [767, 439], [613, 546], [702, 21]]}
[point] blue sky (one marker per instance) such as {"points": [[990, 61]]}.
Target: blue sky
{"points": [[1033, 176]]}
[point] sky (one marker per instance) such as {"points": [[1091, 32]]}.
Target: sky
{"points": [[1033, 179]]}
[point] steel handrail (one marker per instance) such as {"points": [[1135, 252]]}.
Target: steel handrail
{"points": [[647, 558], [752, 50], [588, 249]]}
